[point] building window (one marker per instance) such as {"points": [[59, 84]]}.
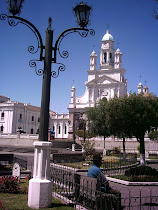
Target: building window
{"points": [[53, 128], [37, 131], [32, 118], [65, 129], [31, 130], [110, 58], [38, 119], [2, 128], [104, 57], [2, 115], [20, 117], [59, 129]]}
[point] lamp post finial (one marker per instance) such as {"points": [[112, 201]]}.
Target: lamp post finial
{"points": [[49, 23]]}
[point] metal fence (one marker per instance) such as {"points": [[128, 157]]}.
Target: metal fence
{"points": [[115, 166], [81, 191]]}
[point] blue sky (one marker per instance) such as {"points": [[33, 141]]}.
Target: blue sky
{"points": [[131, 24]]}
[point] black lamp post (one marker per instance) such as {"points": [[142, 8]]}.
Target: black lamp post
{"points": [[40, 186], [83, 126], [82, 12]]}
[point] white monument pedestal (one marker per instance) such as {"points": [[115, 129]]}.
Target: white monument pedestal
{"points": [[73, 147], [40, 187], [104, 152], [83, 146]]}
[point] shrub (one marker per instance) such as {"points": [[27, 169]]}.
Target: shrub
{"points": [[141, 170], [143, 178], [138, 148], [1, 205], [9, 184], [108, 152], [88, 148], [116, 150]]}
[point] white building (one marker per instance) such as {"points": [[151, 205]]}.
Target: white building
{"points": [[107, 82], [14, 115]]}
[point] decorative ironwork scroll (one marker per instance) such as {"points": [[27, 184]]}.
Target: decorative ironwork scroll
{"points": [[14, 21], [33, 64], [62, 67], [83, 32]]}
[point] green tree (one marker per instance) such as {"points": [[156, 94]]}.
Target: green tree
{"points": [[117, 122], [137, 115], [97, 119], [153, 135], [155, 11]]}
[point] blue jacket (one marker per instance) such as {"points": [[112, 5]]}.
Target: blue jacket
{"points": [[94, 171]]}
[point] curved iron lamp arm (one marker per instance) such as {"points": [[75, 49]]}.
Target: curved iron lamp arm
{"points": [[12, 22], [83, 33]]}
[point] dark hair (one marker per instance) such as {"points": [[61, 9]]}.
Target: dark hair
{"points": [[97, 157]]}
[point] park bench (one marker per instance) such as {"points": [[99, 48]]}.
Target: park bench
{"points": [[88, 193]]}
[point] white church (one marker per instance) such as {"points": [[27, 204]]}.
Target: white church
{"points": [[107, 81]]}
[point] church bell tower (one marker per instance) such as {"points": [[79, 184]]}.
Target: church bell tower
{"points": [[107, 52]]}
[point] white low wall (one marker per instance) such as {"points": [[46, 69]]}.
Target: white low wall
{"points": [[130, 144], [25, 140]]}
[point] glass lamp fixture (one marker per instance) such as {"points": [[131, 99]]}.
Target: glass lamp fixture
{"points": [[82, 12], [15, 6]]}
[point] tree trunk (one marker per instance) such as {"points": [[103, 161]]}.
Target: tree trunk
{"points": [[142, 151], [124, 150], [104, 151]]}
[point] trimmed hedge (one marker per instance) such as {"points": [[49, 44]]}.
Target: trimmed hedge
{"points": [[143, 178], [141, 170]]}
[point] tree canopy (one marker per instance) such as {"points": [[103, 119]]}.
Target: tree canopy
{"points": [[97, 119], [133, 115]]}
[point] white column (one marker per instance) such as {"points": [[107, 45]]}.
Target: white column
{"points": [[55, 130], [40, 186], [61, 126], [107, 57], [118, 92]]}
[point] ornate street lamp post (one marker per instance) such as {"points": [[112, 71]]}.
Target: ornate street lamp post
{"points": [[82, 126], [40, 187]]}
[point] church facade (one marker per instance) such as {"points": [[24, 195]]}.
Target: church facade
{"points": [[107, 81]]}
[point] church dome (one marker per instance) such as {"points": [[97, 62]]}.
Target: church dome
{"points": [[108, 37]]}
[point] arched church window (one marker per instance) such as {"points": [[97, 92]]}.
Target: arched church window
{"points": [[31, 130], [110, 58], [2, 115], [59, 129], [2, 128], [105, 57], [65, 129]]}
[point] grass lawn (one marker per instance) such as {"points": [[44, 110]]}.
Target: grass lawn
{"points": [[19, 201]]}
